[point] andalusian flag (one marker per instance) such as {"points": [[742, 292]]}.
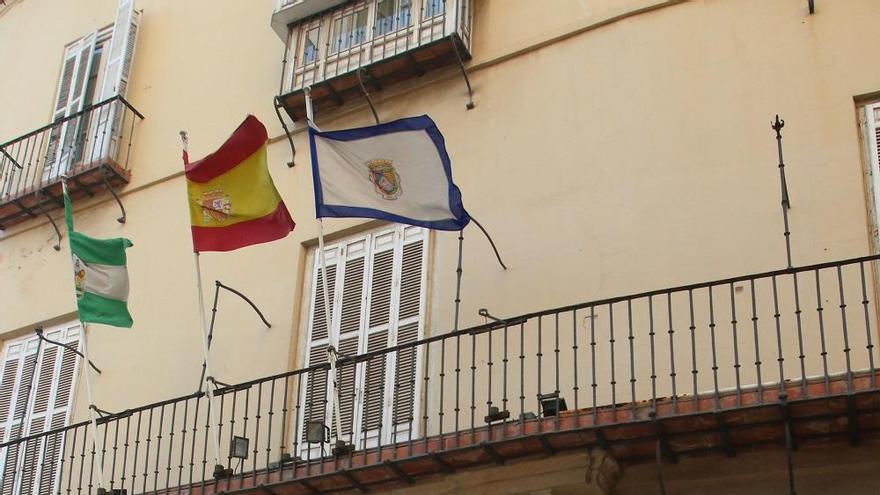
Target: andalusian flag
{"points": [[233, 202], [99, 274]]}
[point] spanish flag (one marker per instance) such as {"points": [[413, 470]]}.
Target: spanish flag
{"points": [[233, 202]]}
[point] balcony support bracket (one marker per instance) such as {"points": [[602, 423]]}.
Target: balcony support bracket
{"points": [[724, 433], [354, 481], [105, 172], [487, 447], [366, 93], [545, 445], [470, 104], [852, 417], [663, 445], [308, 486], [400, 473], [789, 441], [291, 163], [38, 195], [444, 466]]}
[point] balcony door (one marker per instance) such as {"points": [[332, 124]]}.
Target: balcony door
{"points": [[95, 68], [377, 286]]}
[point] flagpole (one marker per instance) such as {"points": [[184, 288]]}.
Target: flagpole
{"points": [[458, 279], [219, 470], [87, 375], [328, 311], [92, 419]]}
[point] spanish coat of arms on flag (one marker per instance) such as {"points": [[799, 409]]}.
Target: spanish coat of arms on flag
{"points": [[398, 171]]}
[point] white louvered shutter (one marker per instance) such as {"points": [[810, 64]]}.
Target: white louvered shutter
{"points": [[37, 401], [315, 398], [872, 136], [116, 76], [378, 281]]}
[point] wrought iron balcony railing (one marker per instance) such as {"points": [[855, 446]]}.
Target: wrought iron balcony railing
{"points": [[365, 45], [90, 147], [776, 357]]}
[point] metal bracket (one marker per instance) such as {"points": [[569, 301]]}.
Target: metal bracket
{"points": [[354, 482], [487, 447], [9, 157], [724, 433], [104, 173], [39, 332], [852, 418], [291, 163], [38, 196], [812, 5], [444, 466], [789, 441], [470, 103], [400, 473], [367, 94]]}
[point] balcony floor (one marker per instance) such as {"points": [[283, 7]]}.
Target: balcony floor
{"points": [[730, 423], [83, 181], [414, 62]]}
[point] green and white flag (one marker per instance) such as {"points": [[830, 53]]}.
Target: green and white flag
{"points": [[100, 275]]}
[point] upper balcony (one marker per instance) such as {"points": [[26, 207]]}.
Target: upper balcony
{"points": [[90, 147], [341, 48], [775, 359]]}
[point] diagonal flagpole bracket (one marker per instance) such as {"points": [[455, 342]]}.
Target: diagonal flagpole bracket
{"points": [[491, 242], [105, 172], [39, 332], [366, 93]]}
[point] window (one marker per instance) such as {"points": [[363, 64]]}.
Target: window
{"points": [[37, 385], [95, 68], [433, 8], [310, 46], [391, 15], [378, 283], [349, 31]]}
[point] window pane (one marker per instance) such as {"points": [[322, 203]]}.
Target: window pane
{"points": [[336, 36], [405, 9], [384, 16], [433, 7], [310, 50]]}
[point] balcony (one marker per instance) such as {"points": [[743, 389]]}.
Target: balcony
{"points": [[90, 147], [367, 45], [774, 359]]}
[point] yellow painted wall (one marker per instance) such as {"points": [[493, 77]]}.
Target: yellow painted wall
{"points": [[604, 159]]}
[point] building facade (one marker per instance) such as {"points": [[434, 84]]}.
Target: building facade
{"points": [[678, 311]]}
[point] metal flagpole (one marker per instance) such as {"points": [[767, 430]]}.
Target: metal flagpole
{"points": [[92, 419], [219, 470], [328, 311], [786, 202], [88, 379]]}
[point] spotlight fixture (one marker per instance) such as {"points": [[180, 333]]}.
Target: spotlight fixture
{"points": [[238, 447], [221, 472], [496, 415], [341, 448], [528, 415], [317, 432], [552, 404], [112, 491]]}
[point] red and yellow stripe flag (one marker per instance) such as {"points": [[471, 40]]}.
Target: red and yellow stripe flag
{"points": [[233, 202]]}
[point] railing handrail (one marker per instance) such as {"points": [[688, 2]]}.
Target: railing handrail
{"points": [[474, 330], [74, 116]]}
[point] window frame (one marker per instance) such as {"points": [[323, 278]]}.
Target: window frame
{"points": [[360, 437], [18, 351]]}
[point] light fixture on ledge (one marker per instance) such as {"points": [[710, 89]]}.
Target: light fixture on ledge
{"points": [[112, 491], [341, 448], [317, 432], [238, 447], [496, 415], [552, 404]]}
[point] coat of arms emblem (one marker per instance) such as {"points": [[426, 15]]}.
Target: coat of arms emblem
{"points": [[216, 205], [385, 179], [79, 277]]}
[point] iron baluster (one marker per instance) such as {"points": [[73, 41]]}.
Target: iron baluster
{"points": [[693, 329], [757, 344], [800, 332], [613, 379], [779, 359], [593, 383], [843, 328], [653, 364], [736, 363], [869, 345], [671, 332], [714, 350]]}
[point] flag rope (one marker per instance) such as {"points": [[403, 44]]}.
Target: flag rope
{"points": [[332, 354], [89, 394]]}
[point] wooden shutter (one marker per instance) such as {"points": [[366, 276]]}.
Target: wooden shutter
{"points": [[409, 324], [116, 76], [380, 295]]}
